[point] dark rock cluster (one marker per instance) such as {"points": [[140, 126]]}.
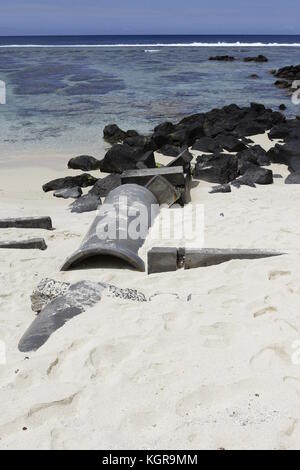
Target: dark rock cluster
{"points": [[221, 135], [228, 58], [223, 58], [287, 76]]}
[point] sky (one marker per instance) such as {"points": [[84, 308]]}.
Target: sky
{"points": [[74, 17]]}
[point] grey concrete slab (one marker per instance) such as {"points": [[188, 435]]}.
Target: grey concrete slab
{"points": [[31, 244], [27, 222], [162, 259], [163, 190], [174, 175]]}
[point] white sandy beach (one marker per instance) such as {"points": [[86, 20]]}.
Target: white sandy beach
{"points": [[215, 372]]}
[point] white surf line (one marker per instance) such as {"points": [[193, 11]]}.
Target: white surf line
{"points": [[194, 44]]}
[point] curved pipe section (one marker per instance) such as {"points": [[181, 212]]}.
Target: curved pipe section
{"points": [[113, 233]]}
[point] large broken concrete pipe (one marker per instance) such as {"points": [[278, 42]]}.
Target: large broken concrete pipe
{"points": [[113, 231]]}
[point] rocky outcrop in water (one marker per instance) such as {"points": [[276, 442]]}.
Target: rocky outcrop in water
{"points": [[260, 59], [287, 76], [223, 58]]}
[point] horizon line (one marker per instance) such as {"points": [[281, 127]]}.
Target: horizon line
{"points": [[148, 34]]}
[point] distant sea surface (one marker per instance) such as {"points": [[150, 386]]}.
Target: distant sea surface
{"points": [[62, 90]]}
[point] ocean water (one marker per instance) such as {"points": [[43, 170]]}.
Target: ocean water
{"points": [[62, 91]]}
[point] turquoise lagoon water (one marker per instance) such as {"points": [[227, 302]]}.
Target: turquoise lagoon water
{"points": [[62, 91]]}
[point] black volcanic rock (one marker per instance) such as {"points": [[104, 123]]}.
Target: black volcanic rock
{"points": [[254, 175], [140, 141], [287, 76], [223, 58], [123, 157], [280, 131], [84, 163], [207, 144], [230, 143], [164, 128], [288, 154], [222, 188], [113, 134], [282, 84], [293, 178], [83, 181], [254, 155], [103, 186], [219, 168], [170, 150], [87, 203], [230, 120], [289, 130], [260, 58], [249, 127], [290, 73]]}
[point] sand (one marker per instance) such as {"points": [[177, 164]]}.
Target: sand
{"points": [[218, 371]]}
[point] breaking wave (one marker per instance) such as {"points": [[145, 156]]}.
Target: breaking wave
{"points": [[192, 44]]}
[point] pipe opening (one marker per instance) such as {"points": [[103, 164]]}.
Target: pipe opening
{"points": [[101, 262]]}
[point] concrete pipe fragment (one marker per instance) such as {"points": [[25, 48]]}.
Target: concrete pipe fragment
{"points": [[120, 227], [31, 244], [195, 258], [27, 222]]}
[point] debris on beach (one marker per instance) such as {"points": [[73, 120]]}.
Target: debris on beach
{"points": [[27, 222], [167, 259], [58, 302], [46, 291], [31, 244]]}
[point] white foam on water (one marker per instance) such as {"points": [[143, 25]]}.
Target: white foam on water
{"points": [[193, 44]]}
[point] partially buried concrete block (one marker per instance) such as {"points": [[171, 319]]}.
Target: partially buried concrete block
{"points": [[174, 175], [163, 190], [27, 222], [161, 260], [32, 244]]}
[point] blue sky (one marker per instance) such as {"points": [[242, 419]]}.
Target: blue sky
{"points": [[22, 17]]}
